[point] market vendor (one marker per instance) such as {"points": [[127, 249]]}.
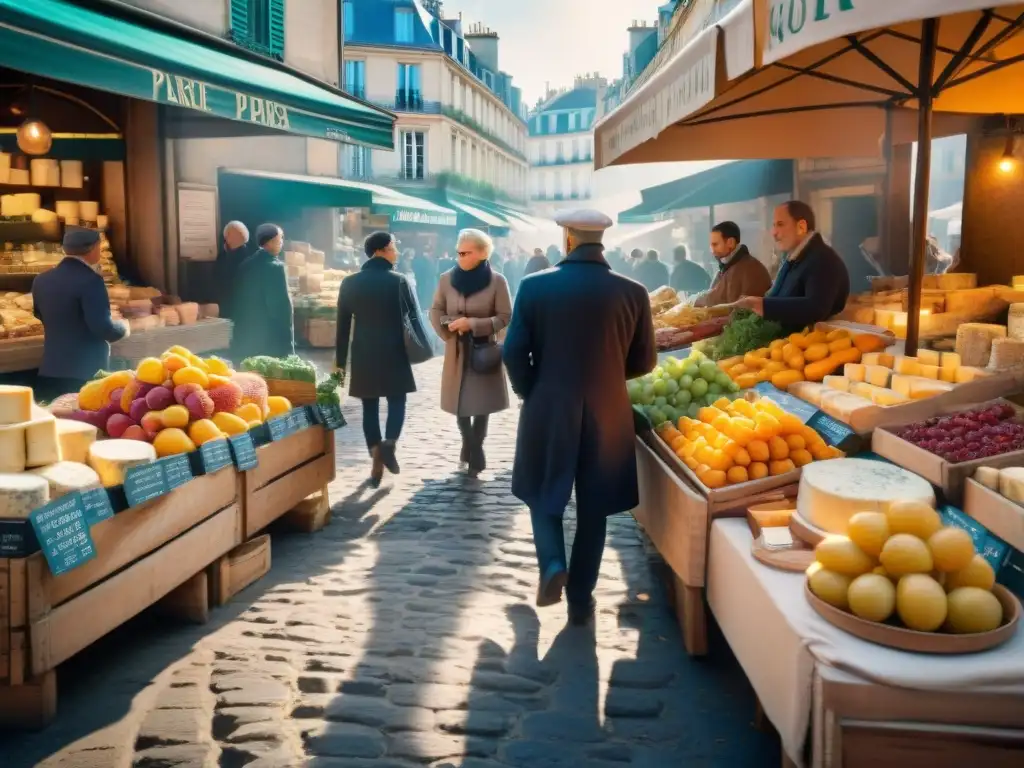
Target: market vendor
{"points": [[72, 303], [739, 273], [813, 283], [263, 316]]}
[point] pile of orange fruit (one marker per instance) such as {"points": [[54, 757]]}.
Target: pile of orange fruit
{"points": [[736, 441], [800, 357]]}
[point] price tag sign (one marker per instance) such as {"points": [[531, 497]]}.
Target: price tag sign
{"points": [[331, 416], [280, 427], [96, 505], [17, 539], [63, 533], [300, 419], [215, 455], [177, 471], [145, 483], [243, 449]]}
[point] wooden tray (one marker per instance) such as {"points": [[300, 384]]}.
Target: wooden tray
{"points": [[922, 642], [795, 559], [809, 534]]}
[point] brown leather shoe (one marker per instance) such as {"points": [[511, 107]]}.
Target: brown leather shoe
{"points": [[377, 466], [389, 456]]}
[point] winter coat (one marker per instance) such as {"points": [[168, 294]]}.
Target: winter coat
{"points": [[373, 299], [463, 391], [71, 301], [579, 331], [742, 275], [262, 309], [536, 264], [652, 274], [689, 277], [809, 290]]}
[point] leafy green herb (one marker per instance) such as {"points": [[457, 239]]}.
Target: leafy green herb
{"points": [[745, 332], [327, 390], [292, 368]]}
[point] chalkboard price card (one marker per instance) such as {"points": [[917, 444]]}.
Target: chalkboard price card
{"points": [[63, 533], [244, 451], [96, 505], [215, 455], [280, 427], [177, 471], [331, 416], [299, 419], [17, 539], [145, 483]]}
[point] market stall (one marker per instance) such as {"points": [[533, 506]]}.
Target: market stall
{"points": [[147, 486]]}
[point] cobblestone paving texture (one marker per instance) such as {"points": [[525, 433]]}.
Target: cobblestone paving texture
{"points": [[404, 635]]}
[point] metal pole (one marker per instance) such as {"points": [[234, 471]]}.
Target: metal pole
{"points": [[922, 181]]}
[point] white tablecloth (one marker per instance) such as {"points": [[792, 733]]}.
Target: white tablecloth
{"points": [[778, 638]]}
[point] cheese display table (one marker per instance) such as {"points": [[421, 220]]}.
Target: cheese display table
{"points": [[837, 700]]}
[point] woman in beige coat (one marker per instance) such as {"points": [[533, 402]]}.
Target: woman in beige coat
{"points": [[471, 305]]}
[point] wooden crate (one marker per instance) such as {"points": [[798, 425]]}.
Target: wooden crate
{"points": [[240, 567], [297, 392], [143, 555], [289, 470]]}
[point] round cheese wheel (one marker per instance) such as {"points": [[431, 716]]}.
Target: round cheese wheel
{"points": [[21, 494], [831, 492], [67, 476], [112, 458]]}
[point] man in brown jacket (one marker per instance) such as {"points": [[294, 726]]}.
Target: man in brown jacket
{"points": [[739, 273]]}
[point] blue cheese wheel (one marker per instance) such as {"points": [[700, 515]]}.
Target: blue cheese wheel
{"points": [[20, 494], [67, 476]]}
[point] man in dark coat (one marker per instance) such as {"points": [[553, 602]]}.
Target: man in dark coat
{"points": [[378, 298], [72, 303], [688, 276], [233, 253], [652, 272], [812, 284], [578, 332], [263, 318]]}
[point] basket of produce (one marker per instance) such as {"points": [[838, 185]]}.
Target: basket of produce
{"points": [[904, 580], [290, 377]]}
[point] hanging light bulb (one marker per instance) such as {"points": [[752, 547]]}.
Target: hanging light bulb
{"points": [[34, 137]]}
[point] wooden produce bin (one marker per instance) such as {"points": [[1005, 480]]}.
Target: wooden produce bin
{"points": [[289, 470], [143, 554], [677, 517]]}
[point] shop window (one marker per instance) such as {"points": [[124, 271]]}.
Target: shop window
{"points": [[414, 156], [408, 96], [359, 162], [552, 123], [349, 8], [355, 78], [259, 26], [404, 25], [572, 121]]}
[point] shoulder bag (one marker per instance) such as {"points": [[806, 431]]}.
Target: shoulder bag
{"points": [[417, 346], [484, 355]]}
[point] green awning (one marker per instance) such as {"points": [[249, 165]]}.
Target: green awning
{"points": [[734, 182], [330, 192], [60, 40]]}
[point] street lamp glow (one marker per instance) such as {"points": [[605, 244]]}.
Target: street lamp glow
{"points": [[34, 137]]}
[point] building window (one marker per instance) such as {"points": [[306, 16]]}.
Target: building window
{"points": [[359, 162], [414, 157], [408, 96], [404, 25], [259, 25], [572, 121], [355, 78], [575, 150], [560, 152], [349, 8], [574, 191], [552, 123]]}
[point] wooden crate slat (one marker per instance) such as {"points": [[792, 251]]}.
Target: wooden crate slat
{"points": [[5, 624], [277, 459], [266, 504]]}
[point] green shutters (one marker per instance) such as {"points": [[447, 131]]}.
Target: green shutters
{"points": [[240, 19], [276, 19]]}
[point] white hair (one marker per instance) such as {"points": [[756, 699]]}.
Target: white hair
{"points": [[242, 229], [478, 238]]}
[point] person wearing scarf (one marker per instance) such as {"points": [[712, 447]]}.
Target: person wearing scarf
{"points": [[472, 305], [264, 322], [739, 273]]}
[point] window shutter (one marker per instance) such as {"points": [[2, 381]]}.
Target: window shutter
{"points": [[240, 19], [276, 15]]}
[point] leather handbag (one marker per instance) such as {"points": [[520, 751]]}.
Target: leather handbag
{"points": [[484, 355], [417, 345]]}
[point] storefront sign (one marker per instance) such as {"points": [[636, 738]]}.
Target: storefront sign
{"points": [[243, 449], [195, 94], [197, 222], [63, 533], [433, 219], [177, 471], [96, 505], [263, 111], [794, 25], [144, 483], [215, 455]]}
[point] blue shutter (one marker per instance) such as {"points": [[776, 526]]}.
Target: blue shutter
{"points": [[276, 37], [240, 19]]}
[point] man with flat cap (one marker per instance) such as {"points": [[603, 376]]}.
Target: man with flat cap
{"points": [[262, 308], [578, 332], [72, 303]]}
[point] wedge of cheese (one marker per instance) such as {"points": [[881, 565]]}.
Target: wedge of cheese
{"points": [[15, 404], [855, 371], [887, 397], [928, 357], [930, 372], [112, 458], [808, 391], [877, 375], [923, 389], [908, 366], [839, 383], [950, 361]]}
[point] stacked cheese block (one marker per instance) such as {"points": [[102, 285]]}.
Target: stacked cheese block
{"points": [[1008, 482], [146, 309], [16, 317], [304, 266]]}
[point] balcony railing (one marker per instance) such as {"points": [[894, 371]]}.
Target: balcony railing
{"points": [[560, 196], [573, 160], [461, 117], [406, 101], [244, 41]]}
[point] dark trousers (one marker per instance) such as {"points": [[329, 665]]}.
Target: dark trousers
{"points": [[587, 550], [473, 429], [371, 419]]}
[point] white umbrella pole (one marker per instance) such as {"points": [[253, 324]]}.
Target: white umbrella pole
{"points": [[922, 181]]}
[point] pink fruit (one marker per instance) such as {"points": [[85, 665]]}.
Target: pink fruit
{"points": [[139, 408], [226, 397], [200, 405], [107, 411], [117, 425], [89, 417], [151, 423], [115, 397], [135, 432], [182, 391], [159, 398]]}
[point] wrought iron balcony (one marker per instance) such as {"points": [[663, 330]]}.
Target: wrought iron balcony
{"points": [[407, 101], [572, 160]]}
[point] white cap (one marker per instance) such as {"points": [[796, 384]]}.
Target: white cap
{"points": [[583, 220]]}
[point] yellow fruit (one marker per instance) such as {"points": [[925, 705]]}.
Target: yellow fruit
{"points": [[921, 602], [203, 431], [816, 352], [191, 375], [778, 449], [776, 468], [742, 458], [175, 417], [743, 408], [151, 371], [829, 586], [796, 442], [973, 610], [952, 549], [230, 424], [759, 451], [977, 574], [90, 397], [171, 442], [173, 362], [218, 366], [903, 554], [279, 405], [737, 475], [217, 380], [767, 426], [800, 457], [177, 349], [913, 517], [839, 554], [872, 597], [880, 570], [869, 531]]}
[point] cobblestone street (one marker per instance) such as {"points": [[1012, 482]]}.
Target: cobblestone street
{"points": [[405, 634]]}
